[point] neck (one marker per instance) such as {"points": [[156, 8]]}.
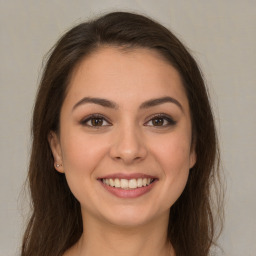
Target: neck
{"points": [[109, 240]]}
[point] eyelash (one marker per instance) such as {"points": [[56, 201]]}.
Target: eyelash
{"points": [[94, 116], [164, 117]]}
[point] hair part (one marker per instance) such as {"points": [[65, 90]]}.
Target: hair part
{"points": [[56, 222]]}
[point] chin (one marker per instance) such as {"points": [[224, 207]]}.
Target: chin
{"points": [[131, 217]]}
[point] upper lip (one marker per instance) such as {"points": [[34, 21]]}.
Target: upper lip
{"points": [[127, 176]]}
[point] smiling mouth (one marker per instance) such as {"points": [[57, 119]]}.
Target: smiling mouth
{"points": [[128, 184]]}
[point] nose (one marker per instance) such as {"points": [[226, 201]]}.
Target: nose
{"points": [[128, 145]]}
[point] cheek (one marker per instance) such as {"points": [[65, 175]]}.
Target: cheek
{"points": [[175, 163], [81, 156], [173, 152], [173, 157], [80, 151]]}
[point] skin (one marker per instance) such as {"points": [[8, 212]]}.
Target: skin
{"points": [[126, 141]]}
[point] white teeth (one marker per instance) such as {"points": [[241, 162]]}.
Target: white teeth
{"points": [[124, 183], [132, 183], [111, 183], [117, 183], [128, 184], [139, 183], [144, 182]]}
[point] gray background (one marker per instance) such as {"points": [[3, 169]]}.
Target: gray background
{"points": [[222, 37]]}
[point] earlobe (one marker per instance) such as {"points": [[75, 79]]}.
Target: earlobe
{"points": [[192, 160], [192, 157], [54, 143]]}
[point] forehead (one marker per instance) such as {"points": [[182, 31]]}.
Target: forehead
{"points": [[116, 73]]}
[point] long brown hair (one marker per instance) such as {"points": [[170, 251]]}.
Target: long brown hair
{"points": [[56, 223]]}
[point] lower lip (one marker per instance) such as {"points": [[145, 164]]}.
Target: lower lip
{"points": [[128, 193]]}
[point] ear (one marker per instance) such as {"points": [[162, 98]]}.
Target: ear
{"points": [[54, 143], [192, 158]]}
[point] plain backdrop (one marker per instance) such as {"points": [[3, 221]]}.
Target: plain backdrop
{"points": [[221, 35]]}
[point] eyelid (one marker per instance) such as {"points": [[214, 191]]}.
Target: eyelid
{"points": [[96, 115], [166, 117], [170, 120]]}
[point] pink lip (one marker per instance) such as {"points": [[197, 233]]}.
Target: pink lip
{"points": [[128, 193]]}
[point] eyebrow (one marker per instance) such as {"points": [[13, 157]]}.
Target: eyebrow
{"points": [[98, 101], [158, 101], [113, 105]]}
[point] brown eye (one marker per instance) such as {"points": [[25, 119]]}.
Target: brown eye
{"points": [[158, 121], [96, 121]]}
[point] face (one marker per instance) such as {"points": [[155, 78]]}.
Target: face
{"points": [[125, 136]]}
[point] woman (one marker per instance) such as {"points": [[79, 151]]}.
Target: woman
{"points": [[124, 145]]}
